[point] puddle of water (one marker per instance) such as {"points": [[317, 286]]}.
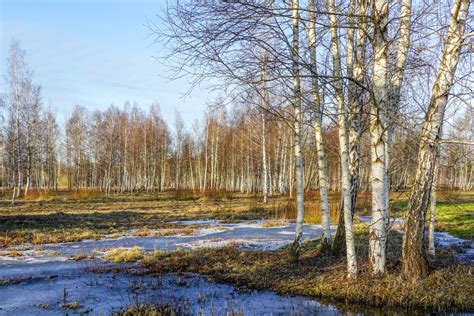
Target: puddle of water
{"points": [[103, 293], [463, 249], [246, 235], [38, 278]]}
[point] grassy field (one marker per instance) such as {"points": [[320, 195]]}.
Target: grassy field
{"points": [[68, 217], [454, 212], [50, 217]]}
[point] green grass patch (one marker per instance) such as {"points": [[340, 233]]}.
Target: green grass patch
{"points": [[455, 217]]}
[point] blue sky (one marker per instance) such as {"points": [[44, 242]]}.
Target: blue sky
{"points": [[96, 53]]}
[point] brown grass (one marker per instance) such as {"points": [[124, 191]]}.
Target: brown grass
{"points": [[39, 195], [124, 254], [73, 216], [151, 310], [449, 286]]}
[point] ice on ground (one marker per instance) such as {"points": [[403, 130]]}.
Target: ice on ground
{"points": [[46, 274], [286, 232], [197, 222], [463, 249], [104, 293], [245, 244]]}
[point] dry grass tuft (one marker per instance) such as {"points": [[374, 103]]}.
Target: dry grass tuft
{"points": [[39, 195], [151, 310], [449, 287], [124, 254], [86, 194], [276, 223]]}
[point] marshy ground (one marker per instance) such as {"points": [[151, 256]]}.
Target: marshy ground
{"points": [[219, 235]]}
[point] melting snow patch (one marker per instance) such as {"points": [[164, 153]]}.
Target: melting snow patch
{"points": [[463, 249], [208, 231], [245, 244], [286, 232], [197, 222]]}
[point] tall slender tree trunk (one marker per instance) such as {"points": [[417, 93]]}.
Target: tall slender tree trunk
{"points": [[414, 262], [264, 133], [18, 151], [343, 145], [318, 133], [394, 91], [295, 249], [377, 230], [355, 61]]}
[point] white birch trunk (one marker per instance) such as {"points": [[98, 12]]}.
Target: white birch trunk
{"points": [[395, 88], [297, 133], [414, 261], [343, 145], [377, 231], [317, 125], [264, 137]]}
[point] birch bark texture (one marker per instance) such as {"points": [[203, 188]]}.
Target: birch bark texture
{"points": [[377, 230], [343, 144], [414, 263], [295, 249], [395, 87], [318, 133], [355, 66]]}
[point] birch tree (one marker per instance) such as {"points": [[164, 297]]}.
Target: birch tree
{"points": [[299, 173], [356, 72], [377, 231], [318, 133], [17, 73], [414, 262], [395, 85], [343, 143]]}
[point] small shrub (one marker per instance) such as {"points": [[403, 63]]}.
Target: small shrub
{"points": [[86, 194], [39, 195], [124, 254], [151, 310], [185, 195]]}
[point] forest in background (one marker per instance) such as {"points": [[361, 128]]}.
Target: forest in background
{"points": [[129, 149], [343, 96]]}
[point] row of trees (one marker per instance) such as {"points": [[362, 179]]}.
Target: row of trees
{"points": [[128, 149], [319, 95], [346, 62]]}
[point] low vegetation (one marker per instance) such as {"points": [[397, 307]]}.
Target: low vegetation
{"points": [[151, 310], [124, 254], [454, 213], [323, 276], [75, 216], [69, 217]]}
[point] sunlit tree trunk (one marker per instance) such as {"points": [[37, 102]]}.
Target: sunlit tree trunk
{"points": [[377, 231], [395, 88], [414, 262], [318, 133], [355, 65], [343, 144], [432, 223], [295, 249]]}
